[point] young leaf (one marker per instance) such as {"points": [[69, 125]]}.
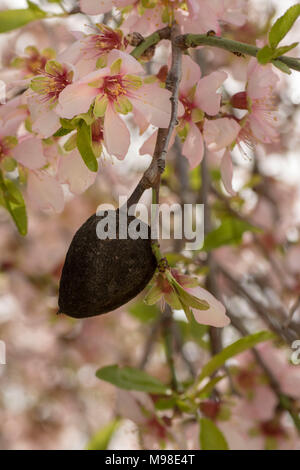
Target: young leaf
{"points": [[208, 388], [102, 438], [230, 232], [129, 378], [84, 145], [283, 50], [210, 437], [265, 55], [281, 66], [61, 132], [282, 26], [13, 19], [12, 199], [232, 350], [186, 298]]}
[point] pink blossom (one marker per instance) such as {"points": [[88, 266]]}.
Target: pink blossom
{"points": [[43, 97], [88, 49], [115, 90], [260, 122], [197, 96]]}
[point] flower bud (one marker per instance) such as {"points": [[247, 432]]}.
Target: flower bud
{"points": [[240, 100]]}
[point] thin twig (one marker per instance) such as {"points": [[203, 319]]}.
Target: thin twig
{"points": [[167, 325], [286, 335], [285, 402], [152, 40], [151, 177], [194, 40], [150, 343]]}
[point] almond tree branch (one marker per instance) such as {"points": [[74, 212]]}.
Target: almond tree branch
{"points": [[194, 40], [151, 40], [287, 335], [151, 177], [285, 402]]}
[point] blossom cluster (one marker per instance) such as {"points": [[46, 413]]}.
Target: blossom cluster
{"points": [[77, 103]]}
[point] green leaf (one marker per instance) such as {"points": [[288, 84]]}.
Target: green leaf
{"points": [[282, 26], [129, 378], [265, 55], [12, 199], [283, 50], [230, 232], [84, 145], [210, 437], [185, 297], [102, 438], [165, 403], [232, 350], [208, 388], [61, 132], [144, 313], [13, 19], [281, 66]]}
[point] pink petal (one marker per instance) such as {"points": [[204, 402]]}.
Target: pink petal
{"points": [[140, 120], [116, 134], [261, 80], [75, 99], [191, 74], [129, 64], [261, 128], [73, 171], [29, 152], [227, 172], [45, 121], [44, 191], [95, 7], [220, 133], [193, 148], [206, 96], [215, 315], [154, 103], [149, 145]]}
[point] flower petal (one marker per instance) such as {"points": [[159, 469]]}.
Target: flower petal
{"points": [[227, 172], [206, 96], [44, 191], [154, 103], [191, 74], [219, 133], [193, 148], [215, 315], [73, 171], [116, 134], [75, 99], [95, 7], [129, 64], [29, 152]]}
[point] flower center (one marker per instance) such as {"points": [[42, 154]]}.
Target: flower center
{"points": [[101, 43], [53, 80], [113, 87], [188, 108]]}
